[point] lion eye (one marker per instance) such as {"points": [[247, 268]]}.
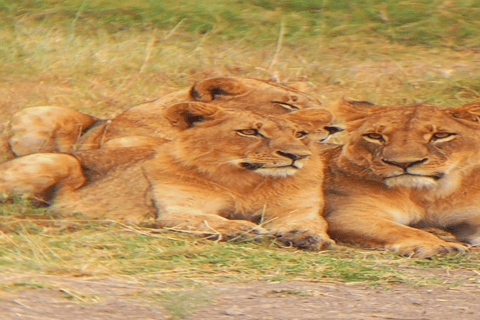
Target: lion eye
{"points": [[442, 136], [249, 132], [301, 134], [374, 136], [287, 105]]}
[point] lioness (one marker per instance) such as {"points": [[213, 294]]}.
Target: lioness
{"points": [[403, 167], [226, 172], [57, 129]]}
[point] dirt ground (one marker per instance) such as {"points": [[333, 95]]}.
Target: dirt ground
{"points": [[108, 298]]}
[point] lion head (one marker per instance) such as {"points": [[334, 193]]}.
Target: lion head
{"points": [[416, 146], [243, 141], [245, 94]]}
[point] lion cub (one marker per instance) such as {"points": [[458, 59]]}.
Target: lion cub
{"points": [[404, 167], [228, 173]]}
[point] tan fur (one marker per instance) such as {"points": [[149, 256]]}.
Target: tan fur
{"points": [[5, 150], [39, 175], [403, 167], [46, 129], [226, 172]]}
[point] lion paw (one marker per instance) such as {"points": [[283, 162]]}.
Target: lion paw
{"points": [[418, 249], [305, 239], [238, 231], [213, 227]]}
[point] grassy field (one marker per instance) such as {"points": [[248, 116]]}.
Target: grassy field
{"points": [[108, 56]]}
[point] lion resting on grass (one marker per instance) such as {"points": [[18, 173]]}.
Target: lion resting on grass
{"points": [[228, 173], [404, 167], [56, 129]]}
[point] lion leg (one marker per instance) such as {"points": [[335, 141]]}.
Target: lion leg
{"points": [[41, 175], [368, 230], [47, 129], [304, 231], [185, 219]]}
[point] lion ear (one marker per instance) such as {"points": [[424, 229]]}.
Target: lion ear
{"points": [[469, 111], [208, 90], [312, 117], [185, 115], [351, 110]]}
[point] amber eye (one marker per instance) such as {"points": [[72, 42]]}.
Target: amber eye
{"points": [[249, 132], [442, 136], [301, 134], [374, 136]]}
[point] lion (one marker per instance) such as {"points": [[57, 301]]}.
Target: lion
{"points": [[405, 167], [58, 129], [229, 173]]}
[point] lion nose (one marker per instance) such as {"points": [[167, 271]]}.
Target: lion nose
{"points": [[333, 129], [405, 164], [293, 156]]}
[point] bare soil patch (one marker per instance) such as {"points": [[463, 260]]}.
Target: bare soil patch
{"points": [[121, 298]]}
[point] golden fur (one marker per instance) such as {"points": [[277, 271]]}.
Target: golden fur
{"points": [[51, 172], [402, 167], [57, 129], [45, 129], [228, 173]]}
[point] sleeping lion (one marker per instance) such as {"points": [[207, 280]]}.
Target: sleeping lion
{"points": [[228, 173], [404, 167], [58, 129]]}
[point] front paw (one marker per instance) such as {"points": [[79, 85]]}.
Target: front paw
{"points": [[305, 239], [426, 249], [238, 231]]}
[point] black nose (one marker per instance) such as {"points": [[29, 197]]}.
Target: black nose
{"points": [[333, 129], [293, 156], [406, 164]]}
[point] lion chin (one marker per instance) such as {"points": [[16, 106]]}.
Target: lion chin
{"points": [[277, 172], [411, 181]]}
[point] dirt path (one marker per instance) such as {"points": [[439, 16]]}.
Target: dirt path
{"points": [[105, 298]]}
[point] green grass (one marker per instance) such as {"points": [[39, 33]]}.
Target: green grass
{"points": [[424, 22], [102, 57]]}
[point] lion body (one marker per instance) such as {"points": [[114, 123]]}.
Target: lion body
{"points": [[404, 167]]}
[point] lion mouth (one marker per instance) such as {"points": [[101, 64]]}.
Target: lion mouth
{"points": [[435, 177], [256, 166]]}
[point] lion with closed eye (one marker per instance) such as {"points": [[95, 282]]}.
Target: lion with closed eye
{"points": [[59, 129], [403, 167], [228, 173]]}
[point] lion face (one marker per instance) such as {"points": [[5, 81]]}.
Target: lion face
{"points": [[215, 139], [414, 146]]}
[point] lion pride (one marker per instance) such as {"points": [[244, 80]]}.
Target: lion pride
{"points": [[403, 167], [228, 173]]}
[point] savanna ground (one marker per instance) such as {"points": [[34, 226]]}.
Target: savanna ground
{"points": [[102, 57]]}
